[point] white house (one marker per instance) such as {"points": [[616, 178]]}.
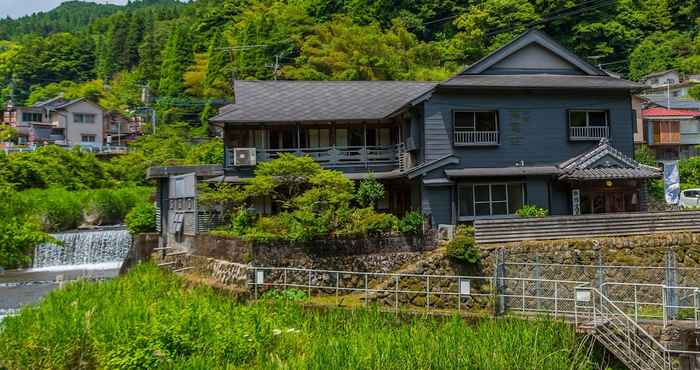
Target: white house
{"points": [[70, 123]]}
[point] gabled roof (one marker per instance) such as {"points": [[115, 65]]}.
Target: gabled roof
{"points": [[660, 73], [539, 81], [676, 103], [605, 163], [531, 37], [292, 101], [56, 103], [658, 112]]}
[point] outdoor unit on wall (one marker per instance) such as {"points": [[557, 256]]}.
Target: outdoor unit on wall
{"points": [[244, 157]]}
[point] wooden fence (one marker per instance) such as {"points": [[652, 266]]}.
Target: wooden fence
{"points": [[577, 227]]}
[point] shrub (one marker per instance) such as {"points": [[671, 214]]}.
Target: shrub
{"points": [[141, 219], [56, 209], [292, 295], [530, 210], [366, 222], [369, 192], [644, 155], [412, 223], [463, 245]]}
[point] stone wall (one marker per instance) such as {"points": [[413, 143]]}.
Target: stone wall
{"points": [[141, 250], [373, 255]]}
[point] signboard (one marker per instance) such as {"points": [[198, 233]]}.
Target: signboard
{"points": [[259, 277], [464, 287], [672, 187], [576, 201], [583, 295]]}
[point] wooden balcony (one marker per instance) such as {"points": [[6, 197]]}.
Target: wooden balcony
{"points": [[335, 156], [588, 132], [469, 138]]}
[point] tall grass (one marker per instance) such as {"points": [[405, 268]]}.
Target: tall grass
{"points": [[150, 319]]}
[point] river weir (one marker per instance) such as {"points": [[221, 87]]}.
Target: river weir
{"points": [[100, 248], [93, 255]]}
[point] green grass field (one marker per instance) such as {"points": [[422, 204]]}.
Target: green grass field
{"points": [[152, 319]]}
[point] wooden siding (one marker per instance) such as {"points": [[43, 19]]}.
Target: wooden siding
{"points": [[667, 132], [578, 227]]}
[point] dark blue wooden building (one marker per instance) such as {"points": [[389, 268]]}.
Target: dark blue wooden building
{"points": [[531, 123]]}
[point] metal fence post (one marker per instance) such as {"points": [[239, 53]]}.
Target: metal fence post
{"points": [[671, 280], [600, 274], [499, 273], [538, 282]]}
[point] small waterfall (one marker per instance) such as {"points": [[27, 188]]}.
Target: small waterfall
{"points": [[84, 248]]}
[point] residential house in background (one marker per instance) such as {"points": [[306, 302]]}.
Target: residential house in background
{"points": [[531, 123], [638, 105], [671, 134], [671, 82], [69, 123]]}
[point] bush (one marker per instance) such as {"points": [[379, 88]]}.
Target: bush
{"points": [[365, 222], [530, 210], [463, 247], [57, 209], [412, 223], [369, 192], [141, 219]]}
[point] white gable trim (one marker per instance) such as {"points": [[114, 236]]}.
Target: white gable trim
{"points": [[527, 38]]}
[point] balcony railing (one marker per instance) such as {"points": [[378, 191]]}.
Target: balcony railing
{"points": [[335, 156], [588, 132], [463, 137]]}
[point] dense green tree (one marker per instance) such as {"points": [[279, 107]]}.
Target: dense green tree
{"points": [[176, 56], [342, 50]]}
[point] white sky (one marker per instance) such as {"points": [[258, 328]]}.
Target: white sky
{"points": [[18, 8]]}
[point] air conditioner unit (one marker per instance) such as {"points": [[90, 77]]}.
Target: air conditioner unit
{"points": [[244, 157]]}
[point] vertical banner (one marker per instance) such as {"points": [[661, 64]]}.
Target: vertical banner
{"points": [[672, 186], [576, 201]]}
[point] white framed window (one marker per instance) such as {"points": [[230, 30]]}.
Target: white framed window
{"points": [[490, 199], [32, 117], [83, 118], [87, 138]]}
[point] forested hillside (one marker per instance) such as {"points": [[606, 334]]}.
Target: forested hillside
{"points": [[188, 53]]}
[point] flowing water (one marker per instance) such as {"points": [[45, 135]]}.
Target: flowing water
{"points": [[83, 254], [83, 248]]}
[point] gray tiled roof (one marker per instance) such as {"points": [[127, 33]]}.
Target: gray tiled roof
{"points": [[56, 103], [676, 103], [539, 81], [289, 101], [580, 167]]}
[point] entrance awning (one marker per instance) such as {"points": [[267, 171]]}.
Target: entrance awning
{"points": [[605, 163]]}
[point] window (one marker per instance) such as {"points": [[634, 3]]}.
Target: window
{"points": [[349, 137], [87, 138], [378, 136], [475, 128], [83, 118], [588, 124], [476, 121], [483, 200], [32, 117], [317, 138]]}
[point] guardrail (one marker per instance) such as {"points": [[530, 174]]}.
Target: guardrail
{"points": [[591, 310], [475, 137], [572, 227], [588, 132]]}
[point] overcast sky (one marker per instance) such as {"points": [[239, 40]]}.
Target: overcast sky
{"points": [[18, 8]]}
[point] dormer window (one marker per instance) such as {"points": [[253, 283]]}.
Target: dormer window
{"points": [[588, 124], [475, 128]]}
